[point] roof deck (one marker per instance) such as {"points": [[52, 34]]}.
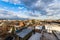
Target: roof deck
{"points": [[40, 34]]}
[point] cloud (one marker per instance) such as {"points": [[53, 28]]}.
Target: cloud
{"points": [[32, 4], [6, 0], [15, 1], [39, 5], [11, 14], [35, 9], [21, 14], [53, 10], [12, 1]]}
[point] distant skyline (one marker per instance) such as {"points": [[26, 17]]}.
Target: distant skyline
{"points": [[32, 9]]}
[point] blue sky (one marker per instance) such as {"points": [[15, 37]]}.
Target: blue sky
{"points": [[32, 9]]}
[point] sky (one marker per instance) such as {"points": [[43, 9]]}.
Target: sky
{"points": [[31, 9]]}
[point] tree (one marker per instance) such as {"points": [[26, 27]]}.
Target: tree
{"points": [[33, 23]]}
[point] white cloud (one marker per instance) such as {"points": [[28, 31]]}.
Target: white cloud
{"points": [[52, 9], [20, 8], [12, 1], [15, 1], [39, 4], [6, 0], [20, 14]]}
